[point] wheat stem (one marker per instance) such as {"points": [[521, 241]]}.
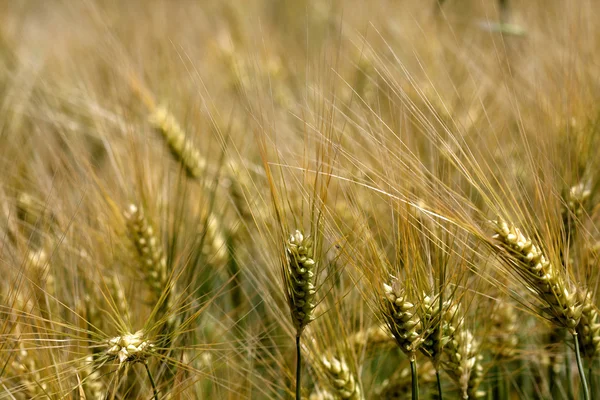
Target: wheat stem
{"points": [[568, 372], [414, 377], [298, 368], [439, 384], [586, 392], [591, 378], [152, 382]]}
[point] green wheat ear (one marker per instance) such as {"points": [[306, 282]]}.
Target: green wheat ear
{"points": [[300, 280]]}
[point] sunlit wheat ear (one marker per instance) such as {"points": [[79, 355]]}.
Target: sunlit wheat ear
{"points": [[374, 336], [215, 246], [118, 295], [341, 379], [148, 248], [575, 203], [300, 280], [27, 369], [588, 329], [321, 395], [398, 385], [504, 338], [576, 199], [402, 320], [34, 217], [179, 143], [436, 329], [91, 378], [129, 348], [540, 276], [462, 362]]}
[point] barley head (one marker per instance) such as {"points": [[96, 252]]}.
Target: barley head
{"points": [[401, 318], [560, 303], [341, 379], [300, 282]]}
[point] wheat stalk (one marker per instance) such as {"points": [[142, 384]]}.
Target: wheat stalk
{"points": [[299, 280]]}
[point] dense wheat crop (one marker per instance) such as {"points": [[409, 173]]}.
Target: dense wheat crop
{"points": [[268, 199]]}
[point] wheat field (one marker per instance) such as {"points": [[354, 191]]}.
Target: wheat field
{"points": [[269, 199]]}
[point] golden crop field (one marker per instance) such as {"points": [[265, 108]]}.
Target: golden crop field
{"points": [[270, 199]]}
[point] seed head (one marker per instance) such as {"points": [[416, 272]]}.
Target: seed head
{"points": [[400, 316], [300, 279], [341, 379], [129, 348], [529, 262]]}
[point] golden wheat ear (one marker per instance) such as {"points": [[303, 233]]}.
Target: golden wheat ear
{"points": [[402, 320], [341, 379], [179, 143], [588, 329], [148, 249], [300, 280], [540, 275]]}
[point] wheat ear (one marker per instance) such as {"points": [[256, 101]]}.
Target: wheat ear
{"points": [[148, 248], [341, 379], [540, 275], [179, 143], [401, 318], [543, 278], [588, 329], [463, 363], [299, 283]]}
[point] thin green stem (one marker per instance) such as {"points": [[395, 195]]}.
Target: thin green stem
{"points": [[298, 368], [415, 377], [591, 378], [586, 391], [439, 383], [570, 388], [500, 389], [151, 381]]}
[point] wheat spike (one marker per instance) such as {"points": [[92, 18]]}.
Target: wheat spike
{"points": [[436, 330], [463, 363], [504, 337], [540, 275], [148, 248], [398, 385], [32, 384], [180, 145], [93, 386], [401, 319], [377, 335], [300, 281], [129, 348], [341, 379], [588, 329]]}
